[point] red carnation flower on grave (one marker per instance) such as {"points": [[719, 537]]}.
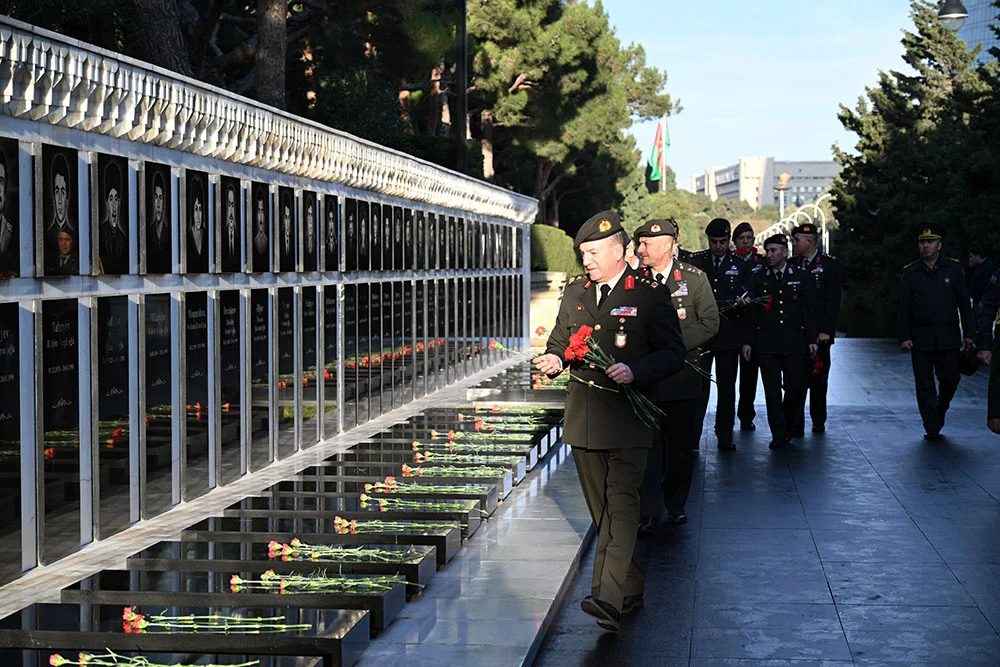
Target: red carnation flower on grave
{"points": [[57, 660], [481, 425], [235, 583], [273, 549], [354, 525], [451, 435], [407, 471], [461, 418], [50, 453]]}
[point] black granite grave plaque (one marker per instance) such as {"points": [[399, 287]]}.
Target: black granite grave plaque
{"points": [[309, 231], [196, 393], [260, 231], [351, 234], [331, 245], [398, 240], [60, 212], [113, 413], [260, 412], [157, 216], [287, 380], [378, 317], [352, 367], [10, 208], [409, 234], [330, 350], [111, 216], [158, 419], [375, 233], [364, 232], [10, 445], [195, 224], [230, 224], [310, 376], [388, 215], [229, 384], [287, 229]]}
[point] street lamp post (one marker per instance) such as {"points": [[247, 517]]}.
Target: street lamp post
{"points": [[953, 15]]}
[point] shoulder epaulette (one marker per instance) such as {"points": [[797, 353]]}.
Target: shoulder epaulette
{"points": [[576, 279], [647, 281], [910, 264], [683, 266], [952, 259]]}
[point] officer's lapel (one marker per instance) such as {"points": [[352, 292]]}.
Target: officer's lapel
{"points": [[590, 298]]}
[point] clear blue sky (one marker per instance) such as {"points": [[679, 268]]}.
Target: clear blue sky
{"points": [[760, 78]]}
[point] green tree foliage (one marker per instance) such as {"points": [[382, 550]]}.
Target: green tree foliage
{"points": [[926, 153], [552, 250]]}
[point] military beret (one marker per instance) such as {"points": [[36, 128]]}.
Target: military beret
{"points": [[656, 228], [807, 228], [600, 226], [931, 232], [780, 239], [742, 228], [718, 227]]}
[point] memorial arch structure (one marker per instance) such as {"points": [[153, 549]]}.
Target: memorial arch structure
{"points": [[195, 286]]}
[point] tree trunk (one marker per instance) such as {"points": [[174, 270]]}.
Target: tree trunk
{"points": [[161, 37], [434, 103], [489, 174], [270, 61]]}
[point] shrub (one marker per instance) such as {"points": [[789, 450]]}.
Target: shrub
{"points": [[552, 250]]}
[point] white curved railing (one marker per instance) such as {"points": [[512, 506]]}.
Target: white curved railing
{"points": [[811, 212], [45, 77]]}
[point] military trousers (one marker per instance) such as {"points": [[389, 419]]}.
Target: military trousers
{"points": [[784, 383], [726, 367], [816, 386], [670, 466], [748, 389], [610, 480], [934, 400]]}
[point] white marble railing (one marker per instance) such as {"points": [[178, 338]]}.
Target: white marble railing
{"points": [[48, 78]]}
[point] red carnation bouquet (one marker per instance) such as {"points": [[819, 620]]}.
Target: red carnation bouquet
{"points": [[817, 365], [583, 347]]}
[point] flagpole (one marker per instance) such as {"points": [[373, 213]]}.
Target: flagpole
{"points": [[663, 157]]}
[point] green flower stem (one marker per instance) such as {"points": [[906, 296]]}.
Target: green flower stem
{"points": [[112, 659]]}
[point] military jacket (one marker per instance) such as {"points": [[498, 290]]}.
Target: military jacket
{"points": [[786, 324], [636, 325], [826, 275], [935, 311], [699, 318], [684, 255], [730, 282], [988, 310]]}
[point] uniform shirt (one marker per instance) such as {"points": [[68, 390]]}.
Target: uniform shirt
{"points": [[935, 311], [731, 280], [636, 325], [786, 324], [699, 319], [827, 278]]}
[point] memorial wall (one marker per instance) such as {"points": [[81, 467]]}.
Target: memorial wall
{"points": [[193, 286]]}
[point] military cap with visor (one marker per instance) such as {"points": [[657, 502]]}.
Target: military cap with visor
{"points": [[807, 228], [931, 232]]}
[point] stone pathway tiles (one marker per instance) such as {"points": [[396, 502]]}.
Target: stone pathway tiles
{"points": [[862, 546]]}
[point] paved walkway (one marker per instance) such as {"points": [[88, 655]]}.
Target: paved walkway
{"points": [[866, 545]]}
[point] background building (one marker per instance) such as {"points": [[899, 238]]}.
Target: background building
{"points": [[754, 181], [977, 30]]}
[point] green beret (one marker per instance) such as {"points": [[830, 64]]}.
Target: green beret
{"points": [[931, 232], [780, 239], [655, 228], [808, 228], [718, 228], [600, 226]]}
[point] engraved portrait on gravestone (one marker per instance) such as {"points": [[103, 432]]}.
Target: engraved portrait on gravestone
{"points": [[351, 233], [332, 252], [363, 263], [59, 211], [392, 237], [232, 236], [10, 250], [309, 230], [286, 238], [159, 241], [113, 211], [197, 223], [376, 230], [261, 254]]}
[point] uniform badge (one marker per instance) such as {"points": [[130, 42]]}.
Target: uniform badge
{"points": [[682, 289], [655, 229], [947, 281], [625, 311], [682, 313], [677, 275], [621, 339], [587, 285], [579, 307], [629, 282], [734, 271], [604, 226]]}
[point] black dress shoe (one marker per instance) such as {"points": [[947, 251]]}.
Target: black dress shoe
{"points": [[778, 444], [727, 446], [748, 426], [607, 616], [677, 518], [631, 603], [647, 526], [932, 437], [819, 429]]}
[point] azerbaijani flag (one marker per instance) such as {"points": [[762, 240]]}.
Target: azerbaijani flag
{"points": [[658, 155]]}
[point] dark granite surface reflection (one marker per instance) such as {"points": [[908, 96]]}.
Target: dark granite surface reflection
{"points": [[865, 545]]}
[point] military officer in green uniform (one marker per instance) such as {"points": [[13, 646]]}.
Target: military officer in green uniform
{"points": [[743, 247], [988, 345], [729, 277], [634, 321], [935, 319], [825, 273], [671, 460], [783, 333]]}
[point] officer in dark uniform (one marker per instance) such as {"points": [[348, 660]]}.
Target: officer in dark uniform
{"points": [[729, 276], [743, 238], [682, 254], [935, 319], [634, 322], [783, 333], [988, 344], [671, 460], [826, 276]]}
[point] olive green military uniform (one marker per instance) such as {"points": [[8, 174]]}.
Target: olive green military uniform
{"points": [[935, 312], [636, 325]]}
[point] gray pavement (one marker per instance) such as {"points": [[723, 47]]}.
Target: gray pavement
{"points": [[866, 545]]}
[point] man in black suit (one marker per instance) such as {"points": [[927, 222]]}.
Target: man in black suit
{"points": [[633, 321], [783, 333]]}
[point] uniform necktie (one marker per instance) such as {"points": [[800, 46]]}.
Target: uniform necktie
{"points": [[718, 264], [660, 279], [605, 291]]}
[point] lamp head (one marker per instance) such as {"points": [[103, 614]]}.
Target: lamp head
{"points": [[953, 15]]}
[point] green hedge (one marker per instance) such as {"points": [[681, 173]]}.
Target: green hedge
{"points": [[552, 250]]}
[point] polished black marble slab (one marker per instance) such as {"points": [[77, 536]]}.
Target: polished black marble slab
{"points": [[531, 451], [417, 563], [363, 454], [503, 480], [211, 588], [446, 542], [337, 637]]}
